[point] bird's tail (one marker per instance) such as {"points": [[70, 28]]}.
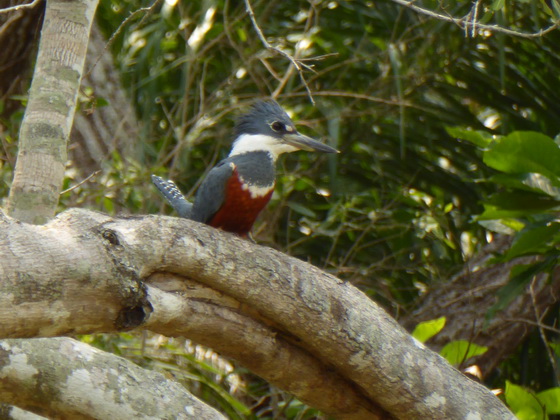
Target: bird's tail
{"points": [[174, 196]]}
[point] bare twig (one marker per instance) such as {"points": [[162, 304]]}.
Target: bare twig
{"points": [[20, 6], [80, 183], [318, 57], [539, 318], [353, 95], [149, 10], [465, 23], [533, 323], [295, 62], [473, 15]]}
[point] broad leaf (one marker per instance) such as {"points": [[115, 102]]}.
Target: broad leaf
{"points": [[458, 351], [427, 329], [520, 276], [533, 240], [532, 182], [524, 404], [525, 151], [516, 204], [550, 398], [479, 138]]}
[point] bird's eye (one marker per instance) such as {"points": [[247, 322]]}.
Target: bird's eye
{"points": [[277, 126]]}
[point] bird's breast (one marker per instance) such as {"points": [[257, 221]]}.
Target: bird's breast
{"points": [[242, 204]]}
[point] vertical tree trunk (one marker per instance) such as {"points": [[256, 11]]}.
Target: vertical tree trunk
{"points": [[45, 129], [18, 32], [96, 134]]}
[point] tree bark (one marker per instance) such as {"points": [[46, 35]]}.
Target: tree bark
{"points": [[48, 117], [98, 132], [9, 412], [18, 33], [66, 379], [304, 314], [467, 298]]}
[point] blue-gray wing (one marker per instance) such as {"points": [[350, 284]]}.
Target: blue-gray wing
{"points": [[212, 193], [174, 196]]}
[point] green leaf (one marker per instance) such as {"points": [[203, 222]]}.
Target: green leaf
{"points": [[550, 398], [498, 226], [458, 351], [532, 182], [513, 224], [524, 404], [108, 204], [298, 208], [555, 347], [497, 5], [533, 240], [556, 8], [520, 276], [427, 329], [525, 151], [516, 204], [479, 138]]}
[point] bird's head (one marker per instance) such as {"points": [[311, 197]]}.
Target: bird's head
{"points": [[267, 127]]}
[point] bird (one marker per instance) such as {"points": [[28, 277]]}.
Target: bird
{"points": [[236, 190]]}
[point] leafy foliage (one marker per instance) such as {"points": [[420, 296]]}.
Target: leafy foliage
{"points": [[526, 201], [527, 405], [408, 200]]}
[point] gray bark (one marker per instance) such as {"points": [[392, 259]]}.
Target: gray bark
{"points": [[45, 128], [97, 133], [61, 378], [309, 313]]}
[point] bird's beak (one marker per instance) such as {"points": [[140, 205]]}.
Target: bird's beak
{"points": [[307, 143]]}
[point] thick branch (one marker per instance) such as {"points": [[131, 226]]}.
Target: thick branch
{"points": [[324, 317], [48, 117], [64, 378], [97, 132], [212, 319], [57, 280], [51, 302]]}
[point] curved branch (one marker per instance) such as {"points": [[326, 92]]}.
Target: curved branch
{"points": [[330, 320], [51, 302], [216, 321], [65, 378]]}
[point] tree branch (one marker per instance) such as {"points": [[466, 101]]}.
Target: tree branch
{"points": [[296, 309], [45, 129], [65, 378], [466, 23], [467, 298], [20, 6], [219, 322], [296, 63]]}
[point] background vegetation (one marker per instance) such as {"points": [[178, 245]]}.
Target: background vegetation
{"points": [[418, 107]]}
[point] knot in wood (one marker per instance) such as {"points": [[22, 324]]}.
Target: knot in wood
{"points": [[110, 236]]}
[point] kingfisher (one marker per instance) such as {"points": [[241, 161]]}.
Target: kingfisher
{"points": [[239, 187]]}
